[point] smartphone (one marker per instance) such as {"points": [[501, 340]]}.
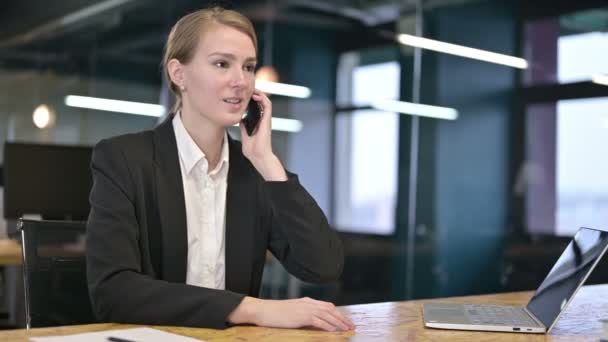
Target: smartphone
{"points": [[253, 116]]}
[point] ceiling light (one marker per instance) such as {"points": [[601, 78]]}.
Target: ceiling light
{"points": [[139, 108], [129, 107], [463, 51], [285, 125], [43, 116], [267, 73], [282, 89], [409, 108]]}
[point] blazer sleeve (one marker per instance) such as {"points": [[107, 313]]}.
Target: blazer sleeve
{"points": [[118, 289], [300, 236]]}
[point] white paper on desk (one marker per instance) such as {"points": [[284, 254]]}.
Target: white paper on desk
{"points": [[134, 334]]}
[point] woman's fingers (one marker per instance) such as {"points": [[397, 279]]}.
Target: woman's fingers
{"points": [[328, 312], [343, 319], [322, 324], [330, 317], [330, 307], [264, 101]]}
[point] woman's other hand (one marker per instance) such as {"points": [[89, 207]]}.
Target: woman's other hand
{"points": [[291, 313]]}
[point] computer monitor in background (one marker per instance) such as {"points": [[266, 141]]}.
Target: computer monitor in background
{"points": [[52, 181]]}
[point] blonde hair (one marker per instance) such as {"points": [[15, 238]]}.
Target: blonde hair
{"points": [[184, 37]]}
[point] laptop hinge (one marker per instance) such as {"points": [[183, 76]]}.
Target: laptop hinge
{"points": [[534, 318]]}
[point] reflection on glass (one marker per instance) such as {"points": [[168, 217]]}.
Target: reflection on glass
{"points": [[367, 154], [565, 49], [568, 273], [563, 178], [581, 55], [581, 182]]}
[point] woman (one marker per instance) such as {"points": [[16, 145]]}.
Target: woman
{"points": [[182, 215]]}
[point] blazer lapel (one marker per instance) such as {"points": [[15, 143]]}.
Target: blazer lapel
{"points": [[240, 221], [171, 204]]}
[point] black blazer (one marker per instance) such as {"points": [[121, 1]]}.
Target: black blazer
{"points": [[137, 235]]}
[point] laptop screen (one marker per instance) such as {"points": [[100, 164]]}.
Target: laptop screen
{"points": [[569, 272]]}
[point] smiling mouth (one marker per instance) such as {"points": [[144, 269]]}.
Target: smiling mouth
{"points": [[233, 101]]}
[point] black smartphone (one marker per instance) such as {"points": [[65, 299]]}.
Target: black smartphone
{"points": [[253, 116]]}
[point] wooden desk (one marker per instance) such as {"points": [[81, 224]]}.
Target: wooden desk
{"points": [[396, 321], [10, 252]]}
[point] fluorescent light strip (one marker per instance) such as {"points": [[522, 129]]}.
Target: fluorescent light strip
{"points": [[463, 51], [139, 108], [283, 89], [600, 79], [416, 109], [118, 106], [285, 125]]}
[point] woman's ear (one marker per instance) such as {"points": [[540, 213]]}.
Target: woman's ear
{"points": [[176, 72]]}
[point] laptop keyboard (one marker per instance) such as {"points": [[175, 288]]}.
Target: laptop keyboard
{"points": [[499, 315]]}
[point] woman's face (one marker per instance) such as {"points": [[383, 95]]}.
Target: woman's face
{"points": [[220, 79]]}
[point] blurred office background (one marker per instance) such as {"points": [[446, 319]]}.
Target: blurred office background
{"points": [[477, 196]]}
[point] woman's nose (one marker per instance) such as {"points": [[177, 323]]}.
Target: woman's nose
{"points": [[238, 78]]}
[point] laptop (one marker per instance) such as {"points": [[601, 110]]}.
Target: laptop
{"points": [[544, 308]]}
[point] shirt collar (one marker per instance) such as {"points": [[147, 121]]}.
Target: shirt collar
{"points": [[189, 152]]}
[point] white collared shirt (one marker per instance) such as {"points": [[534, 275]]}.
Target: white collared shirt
{"points": [[205, 196]]}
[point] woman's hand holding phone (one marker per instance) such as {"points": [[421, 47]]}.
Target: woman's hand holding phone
{"points": [[258, 146]]}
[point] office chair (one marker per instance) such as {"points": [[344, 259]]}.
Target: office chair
{"points": [[54, 273]]}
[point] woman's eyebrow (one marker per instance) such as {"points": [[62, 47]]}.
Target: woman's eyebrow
{"points": [[231, 56]]}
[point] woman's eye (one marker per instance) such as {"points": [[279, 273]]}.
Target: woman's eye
{"points": [[250, 68], [221, 64]]}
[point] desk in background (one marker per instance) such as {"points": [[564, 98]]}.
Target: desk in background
{"points": [[395, 321], [12, 284], [10, 252]]}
